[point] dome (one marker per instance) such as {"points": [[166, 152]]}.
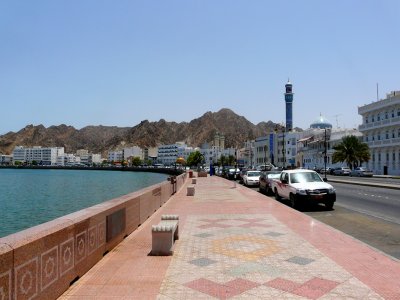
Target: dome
{"points": [[321, 123]]}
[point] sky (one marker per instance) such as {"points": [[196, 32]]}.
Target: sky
{"points": [[116, 63]]}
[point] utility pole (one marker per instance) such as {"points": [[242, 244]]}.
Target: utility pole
{"points": [[325, 156]]}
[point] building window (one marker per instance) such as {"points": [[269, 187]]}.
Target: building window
{"points": [[392, 113], [393, 134], [379, 136], [366, 138], [394, 156], [379, 157], [387, 134], [373, 118], [373, 157], [387, 156], [386, 115], [366, 120]]}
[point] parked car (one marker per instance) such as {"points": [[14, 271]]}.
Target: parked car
{"points": [[304, 186], [233, 174], [251, 178], [361, 171], [342, 171], [266, 179], [241, 174]]}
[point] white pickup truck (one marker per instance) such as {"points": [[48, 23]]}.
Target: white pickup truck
{"points": [[302, 187]]}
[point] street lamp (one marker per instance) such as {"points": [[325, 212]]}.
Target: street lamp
{"points": [[283, 128], [325, 153]]}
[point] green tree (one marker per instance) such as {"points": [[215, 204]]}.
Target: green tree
{"points": [[222, 161], [195, 158], [231, 160], [136, 161], [351, 151]]}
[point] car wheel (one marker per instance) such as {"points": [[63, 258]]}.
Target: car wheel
{"points": [[293, 202], [329, 205], [277, 197]]}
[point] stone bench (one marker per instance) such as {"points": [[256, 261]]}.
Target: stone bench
{"points": [[164, 235], [194, 180], [190, 190]]}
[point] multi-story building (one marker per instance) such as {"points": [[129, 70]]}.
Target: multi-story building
{"points": [[83, 155], [115, 156], [68, 159], [42, 156], [381, 131], [263, 150], [285, 150], [167, 154], [95, 158], [134, 151], [317, 139], [6, 160]]}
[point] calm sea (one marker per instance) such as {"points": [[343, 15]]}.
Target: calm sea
{"points": [[32, 197]]}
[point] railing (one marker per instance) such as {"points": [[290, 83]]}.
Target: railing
{"points": [[379, 124], [42, 261]]}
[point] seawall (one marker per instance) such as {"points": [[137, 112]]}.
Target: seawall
{"points": [[41, 262]]}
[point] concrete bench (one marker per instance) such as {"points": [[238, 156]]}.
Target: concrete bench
{"points": [[194, 180], [164, 235], [190, 190]]}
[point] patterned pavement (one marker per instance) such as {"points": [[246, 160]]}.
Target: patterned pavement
{"points": [[238, 244], [247, 256]]}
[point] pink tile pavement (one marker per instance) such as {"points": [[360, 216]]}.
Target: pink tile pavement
{"points": [[329, 264]]}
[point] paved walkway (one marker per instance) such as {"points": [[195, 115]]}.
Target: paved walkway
{"points": [[238, 244]]}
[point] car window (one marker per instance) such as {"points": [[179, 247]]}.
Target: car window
{"points": [[305, 177], [253, 174], [273, 176]]}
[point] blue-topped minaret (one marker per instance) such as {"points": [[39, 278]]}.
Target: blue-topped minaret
{"points": [[289, 106]]}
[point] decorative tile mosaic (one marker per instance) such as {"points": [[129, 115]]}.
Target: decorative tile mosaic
{"points": [[202, 262], [300, 260], [244, 263], [203, 235], [273, 234]]}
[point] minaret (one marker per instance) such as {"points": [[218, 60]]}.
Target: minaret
{"points": [[289, 106]]}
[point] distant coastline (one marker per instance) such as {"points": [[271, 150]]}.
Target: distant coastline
{"points": [[169, 171]]}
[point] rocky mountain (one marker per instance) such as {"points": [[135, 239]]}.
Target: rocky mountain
{"points": [[100, 139]]}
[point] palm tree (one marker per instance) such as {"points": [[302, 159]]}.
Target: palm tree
{"points": [[351, 151]]}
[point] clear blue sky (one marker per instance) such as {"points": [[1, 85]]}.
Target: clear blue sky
{"points": [[120, 62]]}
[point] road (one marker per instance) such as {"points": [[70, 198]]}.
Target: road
{"points": [[369, 214]]}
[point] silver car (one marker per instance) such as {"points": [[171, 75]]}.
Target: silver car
{"points": [[342, 171], [361, 172]]}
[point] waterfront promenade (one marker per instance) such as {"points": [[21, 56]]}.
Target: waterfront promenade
{"points": [[236, 243]]}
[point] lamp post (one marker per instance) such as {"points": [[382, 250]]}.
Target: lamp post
{"points": [[325, 153], [265, 155]]}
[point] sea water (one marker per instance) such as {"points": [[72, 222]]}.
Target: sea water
{"points": [[31, 197]]}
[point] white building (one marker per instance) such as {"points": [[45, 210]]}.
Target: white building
{"points": [[6, 160], [42, 156], [381, 130], [114, 156], [167, 154], [95, 158], [134, 151], [317, 139], [262, 150], [68, 159]]}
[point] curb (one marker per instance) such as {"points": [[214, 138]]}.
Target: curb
{"points": [[377, 185]]}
